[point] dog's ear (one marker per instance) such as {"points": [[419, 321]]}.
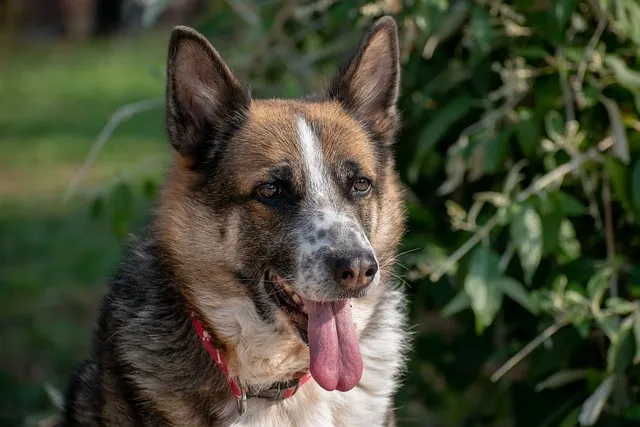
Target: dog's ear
{"points": [[368, 87], [204, 100]]}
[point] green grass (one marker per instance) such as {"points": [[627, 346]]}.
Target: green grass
{"points": [[54, 257]]}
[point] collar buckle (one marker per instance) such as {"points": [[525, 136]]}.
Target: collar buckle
{"points": [[241, 403]]}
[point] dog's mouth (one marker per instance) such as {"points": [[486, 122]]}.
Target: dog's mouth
{"points": [[289, 302], [327, 328]]}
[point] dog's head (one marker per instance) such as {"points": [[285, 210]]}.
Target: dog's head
{"points": [[290, 206]]}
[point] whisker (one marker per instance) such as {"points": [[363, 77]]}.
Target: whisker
{"points": [[394, 261], [399, 255], [407, 252], [401, 279]]}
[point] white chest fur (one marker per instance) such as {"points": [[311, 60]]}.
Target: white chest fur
{"points": [[382, 348]]}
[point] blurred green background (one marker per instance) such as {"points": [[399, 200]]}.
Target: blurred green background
{"points": [[520, 148]]}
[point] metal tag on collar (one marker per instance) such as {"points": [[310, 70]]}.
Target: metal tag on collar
{"points": [[241, 403]]}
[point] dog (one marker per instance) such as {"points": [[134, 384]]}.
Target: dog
{"points": [[261, 292]]}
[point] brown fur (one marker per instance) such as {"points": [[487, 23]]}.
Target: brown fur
{"points": [[212, 238], [269, 137]]}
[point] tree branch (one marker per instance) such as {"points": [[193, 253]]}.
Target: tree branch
{"points": [[538, 185], [123, 113], [526, 350]]}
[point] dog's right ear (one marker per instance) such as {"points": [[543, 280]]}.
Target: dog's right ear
{"points": [[368, 87], [204, 100]]}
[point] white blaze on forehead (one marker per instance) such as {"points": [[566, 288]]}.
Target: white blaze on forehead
{"points": [[321, 190], [318, 182]]}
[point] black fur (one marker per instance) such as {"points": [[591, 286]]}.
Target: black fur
{"points": [[144, 332], [146, 354]]}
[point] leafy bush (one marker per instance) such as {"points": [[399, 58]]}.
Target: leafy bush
{"points": [[525, 117]]}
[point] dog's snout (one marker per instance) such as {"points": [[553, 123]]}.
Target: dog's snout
{"points": [[355, 271]]}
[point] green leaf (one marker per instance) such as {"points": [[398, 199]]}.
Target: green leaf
{"points": [[496, 151], [620, 306], [575, 297], [55, 396], [482, 29], [625, 76], [513, 178], [635, 188], [562, 10], [449, 22], [549, 161], [149, 188], [503, 215], [567, 242], [633, 9], [551, 231], [591, 96], [598, 283], [618, 173], [583, 327], [121, 209], [621, 144], [559, 284], [579, 23], [479, 285], [526, 236], [592, 407], [570, 205], [554, 125], [622, 349], [562, 378], [420, 213], [571, 419], [455, 73], [97, 207], [516, 291], [433, 132], [527, 132], [457, 304], [632, 412]]}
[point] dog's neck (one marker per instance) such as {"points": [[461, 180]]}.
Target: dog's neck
{"points": [[277, 391]]}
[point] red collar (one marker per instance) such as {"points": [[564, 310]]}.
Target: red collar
{"points": [[278, 391]]}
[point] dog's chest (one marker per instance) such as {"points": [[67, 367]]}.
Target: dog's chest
{"points": [[314, 407], [366, 405]]}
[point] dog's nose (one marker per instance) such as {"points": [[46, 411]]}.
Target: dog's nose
{"points": [[356, 271]]}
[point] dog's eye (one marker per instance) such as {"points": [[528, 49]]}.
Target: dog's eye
{"points": [[361, 185], [268, 191]]}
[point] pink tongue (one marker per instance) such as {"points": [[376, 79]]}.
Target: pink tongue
{"points": [[336, 362]]}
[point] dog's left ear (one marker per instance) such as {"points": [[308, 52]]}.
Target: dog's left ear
{"points": [[204, 100], [368, 87]]}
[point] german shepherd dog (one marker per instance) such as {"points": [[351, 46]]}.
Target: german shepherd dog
{"points": [[262, 291]]}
